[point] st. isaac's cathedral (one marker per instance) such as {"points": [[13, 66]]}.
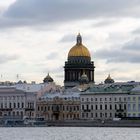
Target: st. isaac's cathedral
{"points": [[78, 68]]}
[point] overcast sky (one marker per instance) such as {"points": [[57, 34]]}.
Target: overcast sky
{"points": [[36, 36]]}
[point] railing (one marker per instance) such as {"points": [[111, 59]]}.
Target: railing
{"points": [[87, 110], [29, 109]]}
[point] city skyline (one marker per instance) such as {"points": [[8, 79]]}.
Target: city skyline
{"points": [[36, 37]]}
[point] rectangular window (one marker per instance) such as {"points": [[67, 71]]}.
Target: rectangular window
{"points": [[124, 106], [101, 115], [91, 115], [120, 107], [91, 107], [110, 107], [82, 107], [77, 108], [129, 107], [82, 115], [48, 108], [96, 107], [115, 107], [105, 107], [87, 107], [134, 98], [96, 115], [106, 115], [38, 108], [129, 115], [139, 107], [100, 107], [134, 106], [87, 115]]}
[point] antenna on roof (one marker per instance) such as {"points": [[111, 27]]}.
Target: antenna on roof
{"points": [[17, 76]]}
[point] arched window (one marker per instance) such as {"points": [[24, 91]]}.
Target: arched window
{"points": [[18, 105], [14, 105], [13, 113]]}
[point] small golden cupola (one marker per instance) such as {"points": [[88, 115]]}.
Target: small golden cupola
{"points": [[48, 79], [109, 80]]}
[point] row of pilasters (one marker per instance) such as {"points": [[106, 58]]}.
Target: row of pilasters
{"points": [[74, 75]]}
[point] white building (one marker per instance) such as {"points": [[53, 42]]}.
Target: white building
{"points": [[108, 101], [133, 103], [16, 103]]}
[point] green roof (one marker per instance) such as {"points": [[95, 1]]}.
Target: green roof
{"points": [[110, 88]]}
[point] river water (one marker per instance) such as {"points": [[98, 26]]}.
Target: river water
{"points": [[69, 133]]}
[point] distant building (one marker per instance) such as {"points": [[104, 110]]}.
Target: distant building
{"points": [[133, 103], [59, 106], [16, 104], [108, 101], [79, 64]]}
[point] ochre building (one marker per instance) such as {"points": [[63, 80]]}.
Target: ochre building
{"points": [[59, 106]]}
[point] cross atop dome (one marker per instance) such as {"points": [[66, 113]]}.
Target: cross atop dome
{"points": [[79, 39]]}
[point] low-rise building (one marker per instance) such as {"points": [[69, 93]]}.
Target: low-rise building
{"points": [[16, 103], [106, 101], [59, 106], [133, 103]]}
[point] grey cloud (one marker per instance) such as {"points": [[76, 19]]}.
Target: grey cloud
{"points": [[53, 70], [52, 56], [72, 38], [59, 76], [128, 53], [68, 38], [27, 12], [133, 45], [105, 22], [118, 56], [136, 32], [7, 58]]}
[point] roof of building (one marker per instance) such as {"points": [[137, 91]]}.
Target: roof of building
{"points": [[136, 89], [29, 87], [110, 88], [61, 95], [10, 90]]}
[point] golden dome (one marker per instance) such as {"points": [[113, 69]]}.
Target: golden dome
{"points": [[79, 49], [109, 77], [109, 80]]}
